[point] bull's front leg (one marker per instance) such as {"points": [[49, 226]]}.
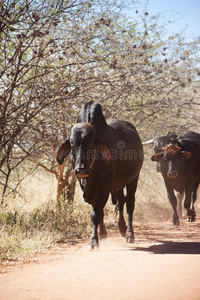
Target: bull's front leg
{"points": [[97, 216], [180, 197], [97, 221], [173, 200], [94, 240]]}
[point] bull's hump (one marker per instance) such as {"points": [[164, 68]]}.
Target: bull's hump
{"points": [[92, 113]]}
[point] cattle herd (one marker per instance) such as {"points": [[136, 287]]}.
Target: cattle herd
{"points": [[107, 157]]}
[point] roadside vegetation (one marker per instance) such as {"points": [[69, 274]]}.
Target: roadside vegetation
{"points": [[24, 233]]}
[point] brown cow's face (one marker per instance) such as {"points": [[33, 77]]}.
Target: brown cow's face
{"points": [[171, 154]]}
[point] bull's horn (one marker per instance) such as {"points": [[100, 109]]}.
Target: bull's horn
{"points": [[148, 142]]}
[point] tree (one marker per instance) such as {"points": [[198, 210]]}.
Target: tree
{"points": [[34, 75], [56, 55]]}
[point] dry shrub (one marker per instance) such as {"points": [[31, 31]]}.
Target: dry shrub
{"points": [[34, 221]]}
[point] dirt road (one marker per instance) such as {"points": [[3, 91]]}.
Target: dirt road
{"points": [[163, 263]]}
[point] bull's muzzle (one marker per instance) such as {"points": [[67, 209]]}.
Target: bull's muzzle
{"points": [[81, 172], [172, 174]]}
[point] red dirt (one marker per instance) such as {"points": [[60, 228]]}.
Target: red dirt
{"points": [[163, 263]]}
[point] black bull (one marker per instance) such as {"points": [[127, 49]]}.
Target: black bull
{"points": [[179, 163], [106, 159]]}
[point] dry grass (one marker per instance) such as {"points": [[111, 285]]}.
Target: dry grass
{"points": [[34, 222]]}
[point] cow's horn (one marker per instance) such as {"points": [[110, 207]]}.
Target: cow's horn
{"points": [[148, 142]]}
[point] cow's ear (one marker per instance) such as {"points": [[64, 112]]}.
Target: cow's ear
{"points": [[63, 151], [104, 152], [157, 156], [186, 155]]}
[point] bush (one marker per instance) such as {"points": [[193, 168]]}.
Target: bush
{"points": [[28, 232]]}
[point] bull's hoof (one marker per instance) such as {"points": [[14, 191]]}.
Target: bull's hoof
{"points": [[175, 220], [175, 223], [94, 244], [129, 238], [190, 219], [93, 247]]}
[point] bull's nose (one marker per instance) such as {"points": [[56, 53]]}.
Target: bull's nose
{"points": [[81, 172], [172, 174]]}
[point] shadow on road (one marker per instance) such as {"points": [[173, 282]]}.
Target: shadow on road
{"points": [[169, 247]]}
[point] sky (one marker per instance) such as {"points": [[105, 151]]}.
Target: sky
{"points": [[186, 13]]}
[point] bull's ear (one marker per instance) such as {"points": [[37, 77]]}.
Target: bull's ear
{"points": [[157, 156], [63, 151], [186, 155], [104, 152]]}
